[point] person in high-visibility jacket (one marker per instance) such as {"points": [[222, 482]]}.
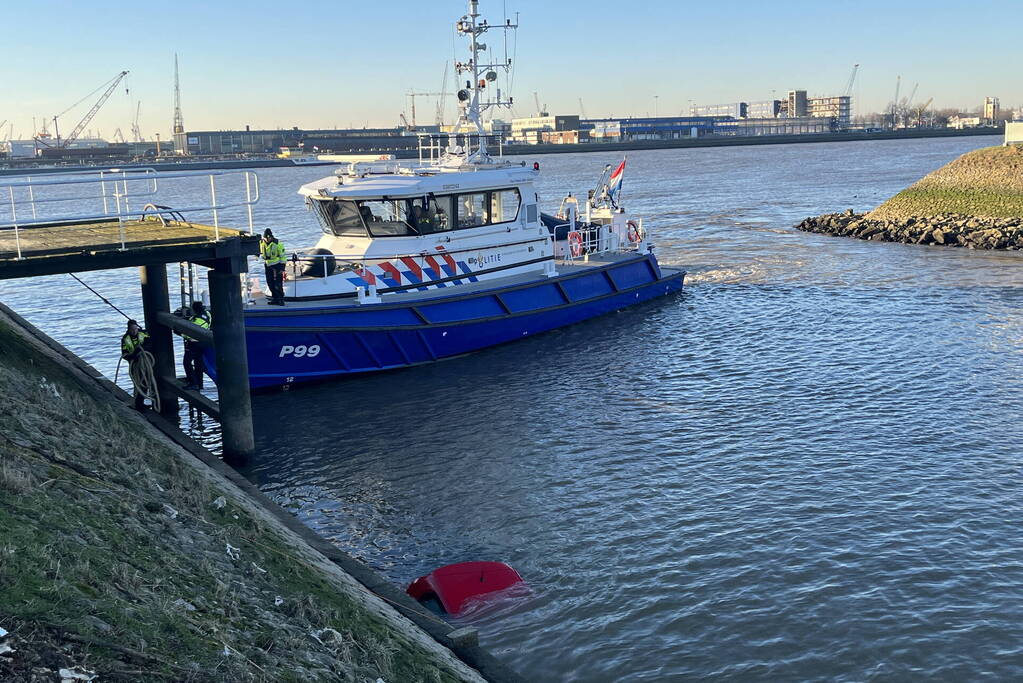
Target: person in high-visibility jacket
{"points": [[274, 257], [195, 366], [132, 344]]}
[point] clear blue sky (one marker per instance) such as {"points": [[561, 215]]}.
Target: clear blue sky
{"points": [[275, 64]]}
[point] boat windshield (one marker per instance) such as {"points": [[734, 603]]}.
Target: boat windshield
{"points": [[382, 217]]}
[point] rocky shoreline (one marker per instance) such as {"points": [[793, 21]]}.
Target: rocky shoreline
{"points": [[950, 230]]}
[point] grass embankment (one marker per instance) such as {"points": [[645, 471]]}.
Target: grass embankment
{"points": [[984, 183], [975, 201], [122, 556]]}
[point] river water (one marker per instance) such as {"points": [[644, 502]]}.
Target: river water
{"points": [[805, 466]]}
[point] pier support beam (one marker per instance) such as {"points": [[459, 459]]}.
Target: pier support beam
{"points": [[154, 302], [232, 358]]}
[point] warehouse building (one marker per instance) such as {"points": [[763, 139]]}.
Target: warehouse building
{"points": [[735, 110], [768, 109], [774, 126], [796, 105], [838, 108], [228, 142], [530, 130], [649, 128]]}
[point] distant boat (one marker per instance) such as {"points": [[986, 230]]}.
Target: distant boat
{"points": [[309, 160]]}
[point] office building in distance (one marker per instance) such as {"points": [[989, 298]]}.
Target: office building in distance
{"points": [[797, 113]]}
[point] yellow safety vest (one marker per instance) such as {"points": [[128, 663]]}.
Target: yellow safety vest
{"points": [[203, 320], [272, 253], [129, 344]]}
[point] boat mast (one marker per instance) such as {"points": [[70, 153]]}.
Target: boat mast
{"points": [[470, 98]]}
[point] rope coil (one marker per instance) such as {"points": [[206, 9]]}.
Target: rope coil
{"points": [[144, 378]]}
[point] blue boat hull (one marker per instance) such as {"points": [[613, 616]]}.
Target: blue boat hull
{"points": [[295, 345]]}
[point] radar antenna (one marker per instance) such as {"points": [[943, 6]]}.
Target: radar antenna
{"points": [[481, 91]]}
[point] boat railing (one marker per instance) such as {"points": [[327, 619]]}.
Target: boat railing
{"points": [[124, 195], [583, 241], [434, 146]]}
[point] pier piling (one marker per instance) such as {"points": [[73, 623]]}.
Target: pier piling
{"points": [[232, 358], [155, 301]]}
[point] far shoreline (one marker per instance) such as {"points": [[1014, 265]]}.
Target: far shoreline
{"points": [[524, 150]]}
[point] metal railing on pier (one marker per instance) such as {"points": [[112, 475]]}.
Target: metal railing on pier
{"points": [[110, 194]]}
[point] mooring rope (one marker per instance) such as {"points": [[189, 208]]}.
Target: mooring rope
{"points": [[144, 378], [105, 300]]}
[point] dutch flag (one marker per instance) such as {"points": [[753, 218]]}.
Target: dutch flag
{"points": [[614, 183]]}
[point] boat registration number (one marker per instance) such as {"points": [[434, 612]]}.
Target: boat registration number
{"points": [[300, 351]]}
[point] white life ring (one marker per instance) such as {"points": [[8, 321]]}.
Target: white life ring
{"points": [[575, 243]]}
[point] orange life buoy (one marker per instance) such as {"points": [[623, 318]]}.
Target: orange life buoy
{"points": [[575, 243], [633, 231]]}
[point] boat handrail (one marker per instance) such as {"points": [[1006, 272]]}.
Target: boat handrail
{"points": [[360, 259], [118, 189], [596, 239]]}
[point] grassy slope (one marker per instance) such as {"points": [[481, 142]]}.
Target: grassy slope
{"points": [[985, 183], [91, 557]]}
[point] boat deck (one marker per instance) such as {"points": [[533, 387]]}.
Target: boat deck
{"points": [[564, 267]]}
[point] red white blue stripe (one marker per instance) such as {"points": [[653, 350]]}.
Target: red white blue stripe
{"points": [[614, 183], [421, 270]]}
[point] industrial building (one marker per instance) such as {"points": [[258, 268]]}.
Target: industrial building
{"points": [[248, 141], [36, 147], [838, 108], [649, 128], [991, 109], [792, 125], [735, 110], [796, 106], [768, 109], [530, 130]]}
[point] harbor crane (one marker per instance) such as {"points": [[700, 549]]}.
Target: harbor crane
{"points": [[895, 103], [540, 111], [136, 131], [442, 100], [110, 87], [920, 112], [852, 80], [912, 95], [582, 109], [412, 95]]}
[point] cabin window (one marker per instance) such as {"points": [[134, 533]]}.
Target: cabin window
{"points": [[472, 210], [430, 214], [486, 208], [339, 217], [387, 217], [504, 205]]}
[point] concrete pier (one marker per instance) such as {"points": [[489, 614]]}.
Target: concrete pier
{"points": [[150, 243]]}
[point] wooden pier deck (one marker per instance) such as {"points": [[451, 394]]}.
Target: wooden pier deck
{"points": [[64, 247]]}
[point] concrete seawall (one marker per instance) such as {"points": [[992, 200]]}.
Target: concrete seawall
{"points": [[135, 553]]}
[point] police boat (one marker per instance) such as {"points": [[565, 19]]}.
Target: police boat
{"points": [[437, 257]]}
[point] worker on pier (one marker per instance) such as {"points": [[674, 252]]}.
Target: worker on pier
{"points": [[272, 253], [195, 366], [132, 347]]}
